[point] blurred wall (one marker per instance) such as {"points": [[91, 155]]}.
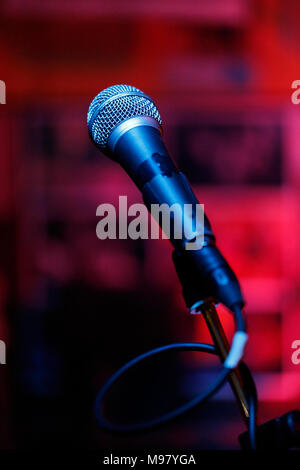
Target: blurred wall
{"points": [[221, 75]]}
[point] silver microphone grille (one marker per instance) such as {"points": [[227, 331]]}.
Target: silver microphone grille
{"points": [[115, 105]]}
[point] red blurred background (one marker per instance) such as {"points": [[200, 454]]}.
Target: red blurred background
{"points": [[74, 308]]}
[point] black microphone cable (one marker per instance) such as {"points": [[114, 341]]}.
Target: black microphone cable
{"points": [[212, 389], [221, 379]]}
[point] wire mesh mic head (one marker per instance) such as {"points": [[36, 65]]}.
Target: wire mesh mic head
{"points": [[114, 105]]}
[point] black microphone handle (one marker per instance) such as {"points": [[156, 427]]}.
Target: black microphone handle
{"points": [[204, 273], [142, 153]]}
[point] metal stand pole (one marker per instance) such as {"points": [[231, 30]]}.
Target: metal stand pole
{"points": [[221, 343]]}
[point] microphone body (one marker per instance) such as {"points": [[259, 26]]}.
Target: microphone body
{"points": [[142, 153]]}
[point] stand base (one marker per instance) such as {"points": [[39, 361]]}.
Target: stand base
{"points": [[280, 433]]}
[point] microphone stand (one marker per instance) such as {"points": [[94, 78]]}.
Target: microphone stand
{"points": [[195, 293], [221, 343]]}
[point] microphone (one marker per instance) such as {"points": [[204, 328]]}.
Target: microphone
{"points": [[125, 124]]}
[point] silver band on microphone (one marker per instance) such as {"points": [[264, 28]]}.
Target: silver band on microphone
{"points": [[125, 126]]}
